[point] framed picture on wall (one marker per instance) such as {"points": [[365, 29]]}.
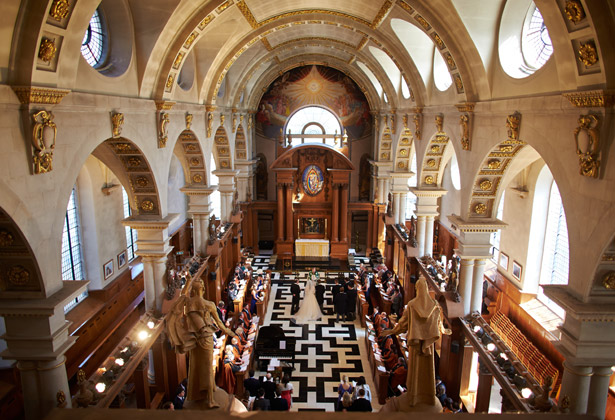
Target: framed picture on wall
{"points": [[121, 259], [516, 270], [504, 261], [108, 269]]}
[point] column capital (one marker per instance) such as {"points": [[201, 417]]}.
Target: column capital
{"points": [[587, 336], [198, 190], [153, 234]]}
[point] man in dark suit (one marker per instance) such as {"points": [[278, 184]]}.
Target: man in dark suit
{"points": [[339, 301], [351, 300], [320, 294], [268, 386], [361, 403], [279, 403], [252, 384], [261, 403], [295, 291]]}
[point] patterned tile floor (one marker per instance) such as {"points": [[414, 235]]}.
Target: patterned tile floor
{"points": [[325, 349]]}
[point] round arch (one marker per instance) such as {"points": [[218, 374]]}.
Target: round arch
{"points": [[222, 150], [188, 151]]}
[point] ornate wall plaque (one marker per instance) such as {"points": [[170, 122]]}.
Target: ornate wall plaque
{"points": [[313, 180]]}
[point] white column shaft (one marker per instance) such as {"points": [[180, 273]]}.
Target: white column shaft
{"points": [[420, 234], [148, 285], [196, 232], [402, 209], [429, 235], [575, 385], [599, 391], [465, 283], [477, 286], [396, 207]]}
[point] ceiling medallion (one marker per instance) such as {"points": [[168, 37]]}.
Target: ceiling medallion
{"points": [[431, 163], [6, 239], [47, 50], [142, 181], [574, 11], [194, 162], [197, 178], [435, 149], [147, 205], [480, 208], [313, 180], [429, 180], [608, 281], [493, 164], [59, 9], [485, 185], [587, 54], [18, 275]]}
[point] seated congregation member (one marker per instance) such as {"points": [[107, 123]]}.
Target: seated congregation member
{"points": [[286, 390], [239, 273], [251, 384], [225, 377], [178, 402], [261, 403], [361, 403], [279, 403], [346, 403], [396, 301], [398, 375], [245, 319], [222, 311]]}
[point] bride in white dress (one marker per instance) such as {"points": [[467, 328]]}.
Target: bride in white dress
{"points": [[309, 310]]}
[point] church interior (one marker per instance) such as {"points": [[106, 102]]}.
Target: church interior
{"points": [[442, 165]]}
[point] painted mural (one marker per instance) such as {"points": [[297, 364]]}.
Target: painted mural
{"points": [[314, 85]]}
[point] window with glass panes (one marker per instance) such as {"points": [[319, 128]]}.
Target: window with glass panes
{"points": [[131, 234], [495, 236], [72, 264]]}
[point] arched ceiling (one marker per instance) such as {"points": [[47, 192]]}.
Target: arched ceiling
{"points": [[235, 46]]}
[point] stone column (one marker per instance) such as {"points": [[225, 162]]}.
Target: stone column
{"points": [[344, 213], [153, 246], [199, 208], [37, 338], [381, 197], [420, 234], [429, 220], [280, 199], [335, 214], [396, 207], [575, 385], [599, 391], [477, 285], [226, 186], [402, 209], [465, 283], [289, 212]]}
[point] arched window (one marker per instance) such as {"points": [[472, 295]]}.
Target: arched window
{"points": [[314, 124], [495, 236], [72, 262], [215, 196], [131, 234], [94, 41], [555, 255]]}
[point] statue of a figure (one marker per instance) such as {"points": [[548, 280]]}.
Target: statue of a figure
{"points": [[211, 229], [390, 205], [423, 324], [439, 123], [235, 203], [513, 121], [190, 326]]}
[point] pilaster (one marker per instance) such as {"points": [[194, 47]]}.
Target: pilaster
{"points": [[199, 207], [226, 186]]}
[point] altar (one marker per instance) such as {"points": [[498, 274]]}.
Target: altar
{"points": [[312, 248]]}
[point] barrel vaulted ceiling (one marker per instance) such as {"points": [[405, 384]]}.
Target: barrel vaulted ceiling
{"points": [[232, 49]]}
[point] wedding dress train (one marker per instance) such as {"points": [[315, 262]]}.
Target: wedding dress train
{"points": [[309, 309]]}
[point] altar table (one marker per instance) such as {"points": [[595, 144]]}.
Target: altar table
{"points": [[312, 248]]}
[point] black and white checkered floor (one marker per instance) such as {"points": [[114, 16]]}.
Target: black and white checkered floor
{"points": [[325, 350]]}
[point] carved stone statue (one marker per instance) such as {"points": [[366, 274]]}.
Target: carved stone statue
{"points": [[117, 120], [189, 121], [190, 326], [423, 324], [464, 123], [513, 121], [210, 123], [235, 203], [211, 229], [589, 159], [417, 126], [390, 205], [439, 123], [163, 130], [85, 396]]}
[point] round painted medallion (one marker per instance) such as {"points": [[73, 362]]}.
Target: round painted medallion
{"points": [[313, 180]]}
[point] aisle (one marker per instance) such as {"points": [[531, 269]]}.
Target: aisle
{"points": [[325, 349]]}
